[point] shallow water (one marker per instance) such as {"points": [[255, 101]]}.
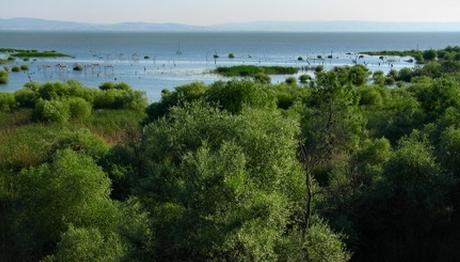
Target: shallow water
{"points": [[111, 56]]}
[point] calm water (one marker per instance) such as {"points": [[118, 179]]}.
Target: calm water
{"points": [[179, 58]]}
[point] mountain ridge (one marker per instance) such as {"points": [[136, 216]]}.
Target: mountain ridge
{"points": [[36, 24]]}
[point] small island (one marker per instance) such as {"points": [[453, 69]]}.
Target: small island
{"points": [[251, 70], [32, 53]]}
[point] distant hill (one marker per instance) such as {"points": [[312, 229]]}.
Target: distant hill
{"points": [[34, 24]]}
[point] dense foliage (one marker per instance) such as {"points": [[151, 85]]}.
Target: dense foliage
{"points": [[346, 165]]}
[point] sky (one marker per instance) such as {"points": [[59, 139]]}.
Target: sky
{"points": [[210, 12]]}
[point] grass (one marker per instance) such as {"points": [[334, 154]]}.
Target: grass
{"points": [[24, 143], [251, 71], [112, 125]]}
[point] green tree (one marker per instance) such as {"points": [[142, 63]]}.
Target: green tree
{"points": [[226, 191], [87, 245], [49, 207]]}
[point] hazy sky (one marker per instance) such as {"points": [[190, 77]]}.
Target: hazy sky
{"points": [[205, 12]]}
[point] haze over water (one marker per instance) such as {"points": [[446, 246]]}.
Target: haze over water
{"points": [[155, 61]]}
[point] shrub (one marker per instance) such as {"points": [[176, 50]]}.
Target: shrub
{"points": [[319, 69], [83, 142], [120, 99], [262, 78], [234, 95], [24, 67], [117, 86], [52, 111], [231, 55], [379, 78], [7, 102], [77, 67], [3, 76], [405, 75], [50, 91], [370, 96], [15, 69], [291, 80], [79, 108], [26, 97], [358, 75], [304, 78], [429, 55]]}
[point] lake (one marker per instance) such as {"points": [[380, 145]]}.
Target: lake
{"points": [[154, 61]]}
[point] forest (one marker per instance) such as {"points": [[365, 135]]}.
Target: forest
{"points": [[348, 165]]}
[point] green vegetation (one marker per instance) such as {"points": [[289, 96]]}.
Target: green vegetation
{"points": [[231, 55], [3, 76], [304, 79], [24, 67], [15, 69], [77, 67], [342, 167], [24, 53], [251, 71], [449, 53]]}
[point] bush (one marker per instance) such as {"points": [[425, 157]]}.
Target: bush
{"points": [[234, 95], [379, 78], [319, 69], [24, 67], [120, 99], [358, 75], [83, 142], [79, 108], [3, 76], [15, 69], [291, 80], [77, 67], [114, 86], [7, 102], [26, 97], [429, 55], [304, 78], [262, 78], [52, 111], [370, 96]]}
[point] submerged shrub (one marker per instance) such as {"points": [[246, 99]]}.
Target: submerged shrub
{"points": [[15, 69], [52, 111], [77, 67], [304, 78], [111, 85], [24, 67]]}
